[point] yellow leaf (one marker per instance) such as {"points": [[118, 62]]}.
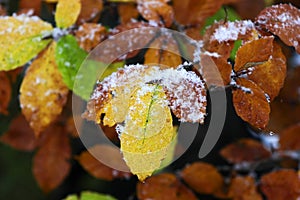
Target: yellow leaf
{"points": [[43, 92], [148, 132], [67, 12], [21, 39]]}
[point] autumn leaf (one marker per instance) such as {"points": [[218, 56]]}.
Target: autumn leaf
{"points": [[90, 11], [289, 92], [250, 103], [281, 184], [127, 12], [34, 4], [21, 38], [244, 150], [164, 186], [282, 20], [289, 138], [43, 93], [19, 135], [5, 91], [202, 177], [51, 162], [243, 188], [99, 170], [67, 12]]}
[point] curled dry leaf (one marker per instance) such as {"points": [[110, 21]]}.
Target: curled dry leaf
{"points": [[90, 11], [251, 104], [281, 184], [243, 188], [89, 35], [67, 12], [244, 150], [19, 135], [282, 20], [290, 138], [163, 186], [43, 93], [157, 11], [51, 162], [127, 12], [5, 93], [90, 161], [202, 177]]}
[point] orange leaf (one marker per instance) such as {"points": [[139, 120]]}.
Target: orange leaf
{"points": [[163, 51], [281, 184], [157, 11], [2, 11], [89, 35], [253, 52], [99, 170], [20, 136], [290, 138], [33, 4], [50, 164], [90, 11], [282, 20], [127, 12], [251, 104], [243, 188], [163, 186], [202, 177], [244, 150], [5, 92]]}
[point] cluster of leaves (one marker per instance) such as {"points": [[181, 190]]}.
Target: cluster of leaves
{"points": [[142, 112]]}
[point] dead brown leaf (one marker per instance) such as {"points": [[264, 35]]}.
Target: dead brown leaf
{"points": [[127, 12], [5, 93], [290, 138], [90, 11], [243, 188]]}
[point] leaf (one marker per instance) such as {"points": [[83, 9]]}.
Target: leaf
{"points": [[99, 170], [21, 38], [281, 184], [248, 9], [202, 177], [157, 11], [51, 162], [69, 57], [243, 188], [148, 120], [289, 92], [282, 20], [2, 11], [289, 138], [87, 195], [19, 135], [127, 12], [6, 92], [163, 52], [163, 186], [89, 35], [67, 12], [90, 11], [251, 104], [43, 93], [244, 150], [253, 52], [35, 5]]}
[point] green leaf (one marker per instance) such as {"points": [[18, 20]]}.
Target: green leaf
{"points": [[236, 46], [69, 57], [86, 195]]}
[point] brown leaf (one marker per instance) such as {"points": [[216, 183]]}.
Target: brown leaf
{"points": [[157, 11], [90, 11], [270, 75], [19, 135], [248, 9], [244, 150], [290, 138], [253, 52], [51, 162], [2, 11], [89, 35], [280, 185], [202, 177], [33, 4], [163, 51], [282, 20], [194, 33], [290, 91], [99, 170], [251, 104], [43, 92], [163, 187], [127, 12], [243, 188], [5, 93]]}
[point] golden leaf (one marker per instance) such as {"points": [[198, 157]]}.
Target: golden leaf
{"points": [[67, 12]]}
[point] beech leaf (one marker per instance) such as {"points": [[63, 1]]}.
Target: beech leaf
{"points": [[5, 91], [67, 12]]}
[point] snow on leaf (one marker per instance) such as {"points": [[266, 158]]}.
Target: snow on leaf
{"points": [[67, 12], [282, 20], [21, 39], [43, 93], [90, 11], [5, 91], [148, 120], [250, 103], [157, 11]]}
